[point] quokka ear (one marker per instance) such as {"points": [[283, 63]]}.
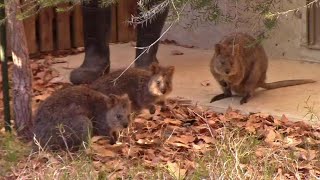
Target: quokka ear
{"points": [[114, 99], [236, 49], [125, 100], [170, 70], [154, 68], [217, 48], [125, 96]]}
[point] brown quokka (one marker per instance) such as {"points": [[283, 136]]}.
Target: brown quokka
{"points": [[144, 87], [240, 65], [70, 116]]}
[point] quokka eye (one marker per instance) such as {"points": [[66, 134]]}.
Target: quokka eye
{"points": [[158, 82], [119, 116]]}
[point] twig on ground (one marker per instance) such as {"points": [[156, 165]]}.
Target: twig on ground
{"points": [[205, 120]]}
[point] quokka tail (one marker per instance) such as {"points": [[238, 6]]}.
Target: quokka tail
{"points": [[286, 83]]}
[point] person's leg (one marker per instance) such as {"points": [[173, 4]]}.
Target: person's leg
{"points": [[146, 35], [97, 28]]}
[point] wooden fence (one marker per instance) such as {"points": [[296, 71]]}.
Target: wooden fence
{"points": [[50, 30]]}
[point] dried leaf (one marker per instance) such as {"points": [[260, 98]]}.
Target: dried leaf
{"points": [[183, 139], [172, 121], [102, 151], [308, 155], [205, 83], [148, 142], [260, 152], [292, 141], [207, 139], [96, 139], [42, 97], [177, 144], [284, 119], [250, 128], [271, 136], [176, 171], [200, 146], [176, 52]]}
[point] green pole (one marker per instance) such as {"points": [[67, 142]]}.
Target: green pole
{"points": [[4, 63]]}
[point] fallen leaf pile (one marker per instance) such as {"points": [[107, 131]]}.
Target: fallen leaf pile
{"points": [[178, 137]]}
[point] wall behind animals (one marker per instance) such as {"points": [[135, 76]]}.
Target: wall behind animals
{"points": [[287, 41]]}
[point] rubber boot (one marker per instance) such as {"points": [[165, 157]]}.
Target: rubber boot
{"points": [[148, 34], [97, 29]]}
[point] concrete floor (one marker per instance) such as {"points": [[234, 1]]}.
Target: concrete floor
{"points": [[192, 71]]}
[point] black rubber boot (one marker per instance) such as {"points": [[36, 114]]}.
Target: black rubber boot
{"points": [[97, 29], [146, 35]]}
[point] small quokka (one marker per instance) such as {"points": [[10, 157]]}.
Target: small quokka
{"points": [[71, 115], [240, 65], [145, 87]]}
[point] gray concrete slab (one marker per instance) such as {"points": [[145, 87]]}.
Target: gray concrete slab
{"points": [[192, 70]]}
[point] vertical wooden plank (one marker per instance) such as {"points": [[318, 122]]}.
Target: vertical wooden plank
{"points": [[45, 28], [63, 36], [132, 11], [126, 32], [311, 26], [114, 33], [8, 40], [30, 29], [317, 24], [77, 27]]}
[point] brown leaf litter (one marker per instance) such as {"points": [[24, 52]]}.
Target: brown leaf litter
{"points": [[183, 133]]}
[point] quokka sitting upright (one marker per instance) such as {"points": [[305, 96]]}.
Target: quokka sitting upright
{"points": [[240, 65], [70, 116], [144, 87]]}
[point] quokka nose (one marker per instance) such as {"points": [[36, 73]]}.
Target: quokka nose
{"points": [[227, 71], [125, 125], [163, 91]]}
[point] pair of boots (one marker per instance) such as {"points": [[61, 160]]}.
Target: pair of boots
{"points": [[97, 31]]}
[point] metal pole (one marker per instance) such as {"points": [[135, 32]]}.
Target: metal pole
{"points": [[4, 65]]}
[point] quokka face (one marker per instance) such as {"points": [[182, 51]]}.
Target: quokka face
{"points": [[160, 83], [225, 59], [117, 116]]}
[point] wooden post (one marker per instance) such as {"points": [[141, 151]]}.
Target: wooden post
{"points": [[114, 28], [77, 27], [45, 25], [21, 72], [30, 29], [63, 40], [126, 32], [4, 69]]}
